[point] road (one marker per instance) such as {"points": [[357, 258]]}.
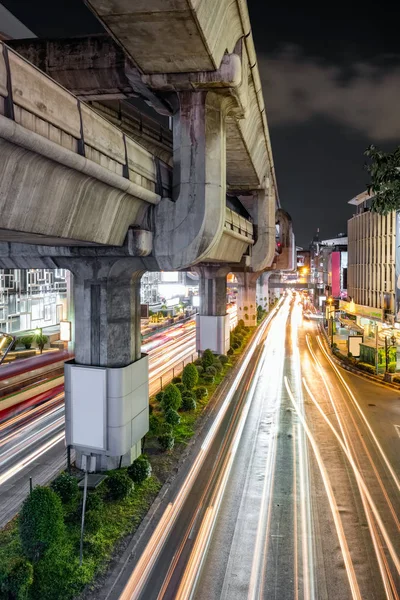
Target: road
{"points": [[296, 495]]}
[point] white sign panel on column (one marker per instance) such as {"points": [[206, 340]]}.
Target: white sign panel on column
{"points": [[88, 407]]}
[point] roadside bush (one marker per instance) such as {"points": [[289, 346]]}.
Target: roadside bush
{"points": [[172, 417], [236, 345], [392, 368], [140, 469], [217, 366], [119, 485], [211, 371], [366, 367], [200, 369], [66, 487], [160, 396], [18, 580], [240, 324], [223, 359], [208, 358], [41, 522], [198, 362], [166, 441], [41, 340], [55, 576], [190, 376], [172, 398], [209, 379], [165, 428], [26, 340], [177, 380], [201, 392], [396, 379], [230, 351], [180, 387], [151, 409], [189, 402], [154, 423]]}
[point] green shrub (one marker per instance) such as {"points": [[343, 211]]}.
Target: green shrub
{"points": [[154, 424], [236, 345], [165, 428], [119, 485], [240, 324], [190, 376], [180, 387], [201, 392], [211, 370], [177, 380], [41, 522], [396, 379], [350, 354], [41, 340], [66, 487], [223, 359], [208, 358], [198, 362], [166, 441], [230, 351], [188, 402], [217, 366], [56, 575], [172, 417], [172, 398], [140, 469], [160, 396], [366, 367], [209, 379], [26, 340], [392, 368], [18, 580], [200, 369]]}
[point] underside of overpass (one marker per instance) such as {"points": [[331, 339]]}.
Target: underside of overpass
{"points": [[91, 182]]}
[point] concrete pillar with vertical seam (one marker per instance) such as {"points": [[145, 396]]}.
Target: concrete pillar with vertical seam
{"points": [[106, 386], [212, 324]]}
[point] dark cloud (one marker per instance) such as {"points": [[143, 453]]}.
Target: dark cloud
{"points": [[298, 88]]}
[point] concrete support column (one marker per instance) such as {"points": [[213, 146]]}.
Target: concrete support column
{"points": [[106, 386], [212, 324], [262, 290], [247, 298]]}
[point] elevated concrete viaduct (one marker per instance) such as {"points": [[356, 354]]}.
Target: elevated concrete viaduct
{"points": [[83, 188]]}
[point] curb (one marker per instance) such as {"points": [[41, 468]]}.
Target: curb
{"points": [[373, 378]]}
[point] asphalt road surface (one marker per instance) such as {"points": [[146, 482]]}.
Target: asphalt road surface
{"points": [[297, 495]]}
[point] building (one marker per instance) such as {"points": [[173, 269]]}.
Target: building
{"points": [[32, 298], [372, 260]]}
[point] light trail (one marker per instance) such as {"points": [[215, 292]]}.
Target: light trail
{"points": [[383, 567], [353, 398], [360, 480], [351, 575], [147, 560], [30, 458]]}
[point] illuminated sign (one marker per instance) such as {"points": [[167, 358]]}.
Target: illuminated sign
{"points": [[65, 331], [362, 311]]}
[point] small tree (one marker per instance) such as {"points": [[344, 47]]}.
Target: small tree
{"points": [[140, 469], [190, 376], [41, 340], [201, 392], [208, 358], [172, 398], [189, 401], [40, 522]]}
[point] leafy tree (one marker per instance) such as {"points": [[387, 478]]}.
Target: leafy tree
{"points": [[119, 485], [140, 469], [172, 398], [41, 340], [384, 185], [41, 522], [190, 376]]}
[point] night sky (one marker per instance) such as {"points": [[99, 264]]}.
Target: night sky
{"points": [[331, 77]]}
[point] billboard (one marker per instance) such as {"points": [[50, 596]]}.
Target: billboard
{"points": [[398, 266], [335, 266]]}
